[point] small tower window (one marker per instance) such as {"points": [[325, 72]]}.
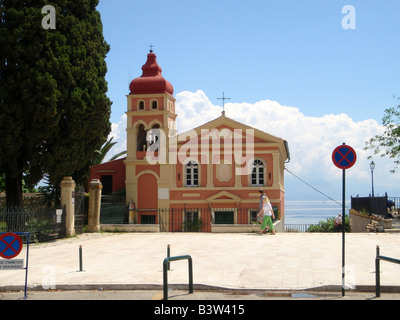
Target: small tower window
{"points": [[154, 134], [141, 105], [141, 139], [154, 105]]}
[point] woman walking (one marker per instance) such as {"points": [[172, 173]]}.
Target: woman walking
{"points": [[267, 212]]}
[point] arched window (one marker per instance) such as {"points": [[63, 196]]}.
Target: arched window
{"points": [[141, 138], [141, 105], [154, 134], [154, 105], [257, 174], [192, 174]]}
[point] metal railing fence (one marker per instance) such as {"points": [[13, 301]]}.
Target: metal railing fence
{"points": [[297, 227], [179, 219], [378, 269], [113, 213], [41, 224]]}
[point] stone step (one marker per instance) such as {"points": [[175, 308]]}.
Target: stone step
{"points": [[392, 230]]}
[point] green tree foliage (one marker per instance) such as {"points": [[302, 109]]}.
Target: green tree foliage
{"points": [[388, 144], [54, 112], [328, 225], [25, 188]]}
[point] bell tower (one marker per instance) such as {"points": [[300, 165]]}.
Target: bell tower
{"points": [[151, 105]]}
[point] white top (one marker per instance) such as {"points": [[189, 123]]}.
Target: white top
{"points": [[267, 209]]}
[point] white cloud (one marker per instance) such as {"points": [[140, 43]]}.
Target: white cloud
{"points": [[194, 109], [311, 139], [118, 133]]}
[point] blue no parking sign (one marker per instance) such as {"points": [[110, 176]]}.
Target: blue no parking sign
{"points": [[344, 157], [10, 245]]}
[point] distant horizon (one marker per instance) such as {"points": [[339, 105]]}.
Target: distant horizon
{"points": [[311, 212]]}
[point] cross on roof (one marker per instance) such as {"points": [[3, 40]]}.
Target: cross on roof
{"points": [[223, 102], [151, 48]]}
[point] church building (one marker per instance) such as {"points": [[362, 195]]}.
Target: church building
{"points": [[208, 177]]}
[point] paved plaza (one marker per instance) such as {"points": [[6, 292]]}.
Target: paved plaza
{"points": [[286, 261]]}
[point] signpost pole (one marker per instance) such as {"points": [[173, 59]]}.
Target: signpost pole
{"points": [[344, 157], [343, 229], [26, 267]]}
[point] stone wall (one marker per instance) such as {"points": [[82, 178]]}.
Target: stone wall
{"points": [[30, 200], [359, 222]]}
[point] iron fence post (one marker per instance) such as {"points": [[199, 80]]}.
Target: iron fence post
{"points": [[80, 258], [168, 255], [190, 274], [172, 219], [377, 274], [165, 279]]}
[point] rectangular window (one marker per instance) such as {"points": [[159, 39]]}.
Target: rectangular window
{"points": [[253, 216], [148, 219], [192, 222], [224, 217], [192, 215]]}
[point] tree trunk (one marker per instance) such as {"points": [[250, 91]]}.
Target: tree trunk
{"points": [[14, 192]]}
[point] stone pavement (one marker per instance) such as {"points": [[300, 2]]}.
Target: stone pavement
{"points": [[200, 296], [134, 261]]}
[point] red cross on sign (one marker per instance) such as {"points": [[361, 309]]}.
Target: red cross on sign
{"points": [[10, 245], [344, 157]]}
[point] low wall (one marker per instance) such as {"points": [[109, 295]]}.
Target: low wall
{"points": [[359, 222], [130, 227], [30, 200], [241, 228], [215, 228]]}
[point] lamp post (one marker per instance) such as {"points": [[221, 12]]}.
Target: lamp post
{"points": [[372, 167]]}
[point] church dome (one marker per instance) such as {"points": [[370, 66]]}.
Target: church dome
{"points": [[151, 80]]}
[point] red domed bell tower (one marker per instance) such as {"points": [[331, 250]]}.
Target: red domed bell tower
{"points": [[151, 105]]}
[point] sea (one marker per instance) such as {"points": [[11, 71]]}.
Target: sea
{"points": [[313, 211]]}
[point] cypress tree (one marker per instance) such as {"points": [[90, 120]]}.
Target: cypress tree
{"points": [[54, 112]]}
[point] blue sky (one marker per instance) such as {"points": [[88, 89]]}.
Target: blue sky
{"points": [[295, 53]]}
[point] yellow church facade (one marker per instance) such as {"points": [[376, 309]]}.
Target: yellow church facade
{"points": [[207, 177]]}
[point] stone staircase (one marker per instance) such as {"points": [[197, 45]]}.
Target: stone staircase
{"points": [[395, 225]]}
